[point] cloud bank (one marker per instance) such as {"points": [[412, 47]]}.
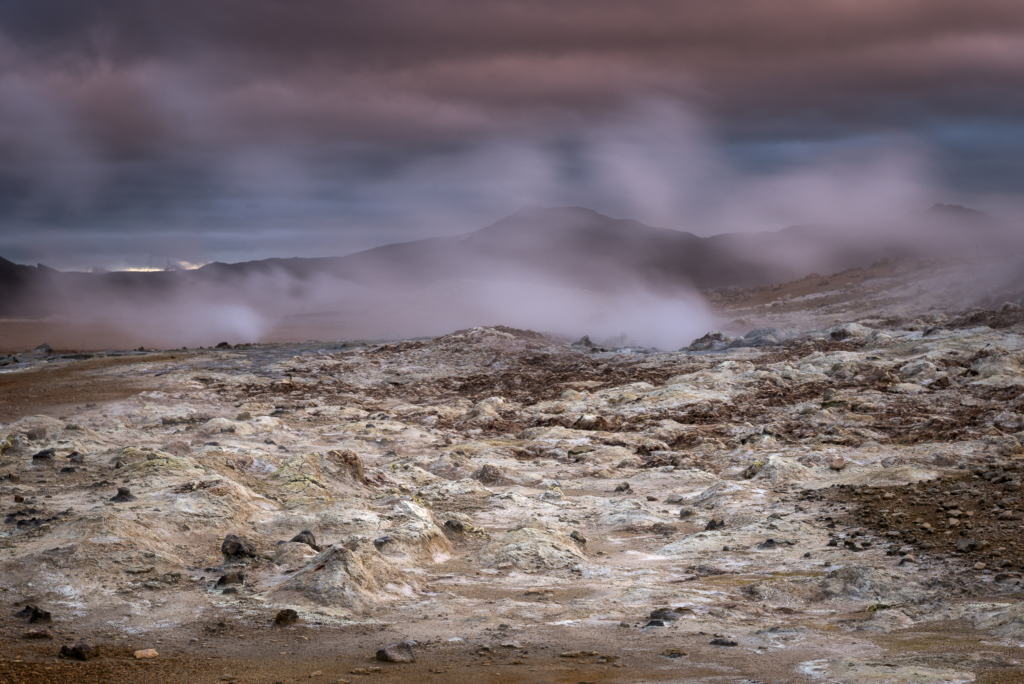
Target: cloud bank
{"points": [[137, 132]]}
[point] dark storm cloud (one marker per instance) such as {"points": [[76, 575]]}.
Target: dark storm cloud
{"points": [[352, 122]]}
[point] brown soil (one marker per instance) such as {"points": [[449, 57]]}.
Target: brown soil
{"points": [[986, 503], [50, 391], [266, 655]]}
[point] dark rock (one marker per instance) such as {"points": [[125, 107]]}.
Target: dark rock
{"points": [[79, 651], [76, 457], [44, 455], [123, 494], [966, 545], [455, 526], [664, 614], [578, 538], [714, 524], [234, 546], [379, 542], [622, 487], [306, 537], [400, 652], [223, 345], [231, 578], [723, 642], [34, 614], [712, 341], [490, 473], [686, 512], [655, 623], [286, 617], [768, 544]]}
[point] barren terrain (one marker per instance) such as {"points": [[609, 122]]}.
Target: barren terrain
{"points": [[829, 489]]}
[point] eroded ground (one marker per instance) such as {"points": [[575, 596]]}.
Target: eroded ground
{"points": [[837, 498]]}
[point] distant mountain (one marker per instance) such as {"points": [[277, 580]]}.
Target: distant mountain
{"points": [[566, 247], [956, 211]]}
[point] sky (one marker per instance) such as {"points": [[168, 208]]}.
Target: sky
{"points": [[136, 133]]}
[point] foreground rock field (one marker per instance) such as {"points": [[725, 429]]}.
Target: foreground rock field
{"points": [[833, 504]]}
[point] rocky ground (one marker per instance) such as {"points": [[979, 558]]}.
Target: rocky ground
{"points": [[827, 490]]}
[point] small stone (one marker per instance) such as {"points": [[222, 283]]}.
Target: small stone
{"points": [[552, 494], [723, 642], [907, 559], [714, 524], [837, 463], [34, 614], [979, 566], [673, 653], [577, 537], [622, 487], [237, 546], [123, 495], [664, 614], [686, 512], [178, 448], [317, 673], [966, 545], [146, 653], [38, 634], [286, 617], [306, 537], [231, 578], [400, 652], [79, 651]]}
